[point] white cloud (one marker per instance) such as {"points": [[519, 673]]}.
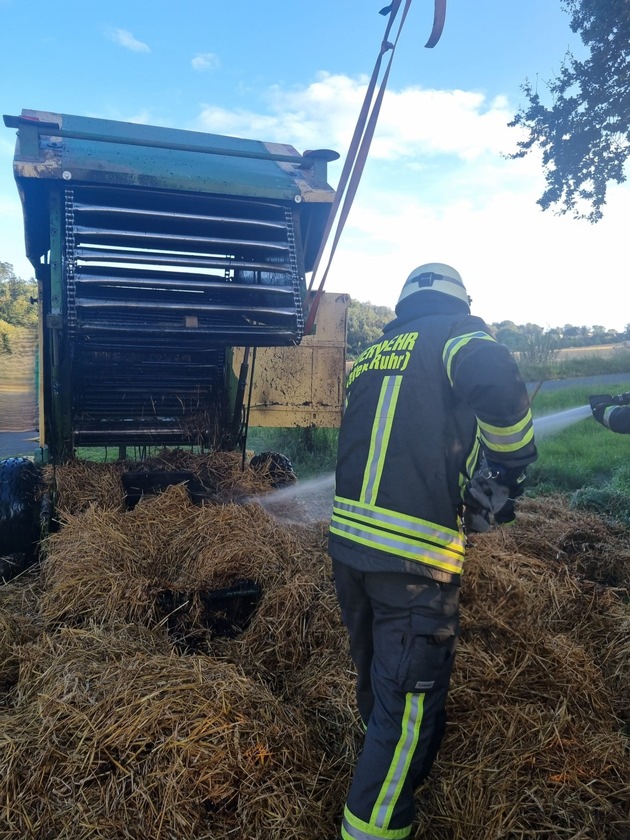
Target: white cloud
{"points": [[413, 122], [205, 61], [518, 263], [436, 188], [124, 38]]}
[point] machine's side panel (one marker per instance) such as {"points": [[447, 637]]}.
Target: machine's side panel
{"points": [[303, 386]]}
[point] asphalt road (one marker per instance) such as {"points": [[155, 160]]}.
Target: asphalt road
{"points": [[13, 444], [599, 384]]}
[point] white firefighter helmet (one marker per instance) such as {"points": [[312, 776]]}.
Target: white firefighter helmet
{"points": [[435, 277]]}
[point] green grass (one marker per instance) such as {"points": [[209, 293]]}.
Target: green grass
{"points": [[616, 362], [586, 462], [312, 452], [583, 454], [548, 402]]}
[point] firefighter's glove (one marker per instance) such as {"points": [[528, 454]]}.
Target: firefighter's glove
{"points": [[492, 491], [599, 403], [476, 520], [622, 399], [485, 492], [507, 514]]}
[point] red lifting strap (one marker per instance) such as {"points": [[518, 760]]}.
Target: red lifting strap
{"points": [[439, 16], [360, 143]]}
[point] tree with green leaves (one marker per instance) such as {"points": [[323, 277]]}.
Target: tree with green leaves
{"points": [[584, 134], [16, 309], [15, 298], [365, 325]]}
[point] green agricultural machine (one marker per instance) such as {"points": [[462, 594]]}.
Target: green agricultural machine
{"points": [[171, 291]]}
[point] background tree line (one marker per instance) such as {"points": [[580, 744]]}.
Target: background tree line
{"points": [[16, 309], [366, 322]]}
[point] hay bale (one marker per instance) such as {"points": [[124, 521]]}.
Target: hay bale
{"points": [[547, 528], [112, 566], [528, 770], [535, 744], [78, 485], [113, 736], [20, 622]]}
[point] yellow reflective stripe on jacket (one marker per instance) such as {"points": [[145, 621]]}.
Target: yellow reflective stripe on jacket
{"points": [[471, 462], [381, 431], [402, 523], [419, 552], [449, 559], [508, 438], [454, 345]]}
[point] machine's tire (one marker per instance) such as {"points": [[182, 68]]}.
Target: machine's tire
{"points": [[19, 509], [276, 466]]}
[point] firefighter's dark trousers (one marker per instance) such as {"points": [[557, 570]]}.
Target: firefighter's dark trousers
{"points": [[402, 629]]}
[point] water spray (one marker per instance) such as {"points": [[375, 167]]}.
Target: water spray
{"points": [[311, 500], [302, 502], [554, 423]]}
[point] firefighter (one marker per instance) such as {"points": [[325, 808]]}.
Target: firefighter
{"points": [[437, 428], [612, 412]]}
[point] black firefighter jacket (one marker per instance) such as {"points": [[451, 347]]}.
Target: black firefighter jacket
{"points": [[617, 419], [423, 405]]}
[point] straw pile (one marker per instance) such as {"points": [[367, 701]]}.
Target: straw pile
{"points": [[535, 747], [83, 483], [128, 711]]}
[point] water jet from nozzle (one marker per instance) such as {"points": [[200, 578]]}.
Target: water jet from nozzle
{"points": [[302, 502], [554, 423]]}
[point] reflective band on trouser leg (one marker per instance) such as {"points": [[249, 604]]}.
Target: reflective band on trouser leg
{"points": [[389, 794], [410, 730], [355, 829]]}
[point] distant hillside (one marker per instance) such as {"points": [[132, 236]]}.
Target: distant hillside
{"points": [[18, 391]]}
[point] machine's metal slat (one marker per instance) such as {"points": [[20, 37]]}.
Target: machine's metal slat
{"points": [[93, 235], [130, 400], [134, 212], [129, 280], [173, 259], [246, 335], [191, 307], [139, 437]]}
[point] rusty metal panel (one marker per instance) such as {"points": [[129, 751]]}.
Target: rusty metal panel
{"points": [[303, 385]]}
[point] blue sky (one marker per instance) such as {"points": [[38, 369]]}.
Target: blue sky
{"points": [[436, 186]]}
